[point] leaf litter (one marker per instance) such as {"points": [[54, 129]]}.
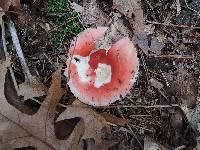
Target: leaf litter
{"points": [[172, 127], [37, 130]]}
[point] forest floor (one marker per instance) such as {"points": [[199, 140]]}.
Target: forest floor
{"points": [[163, 109]]}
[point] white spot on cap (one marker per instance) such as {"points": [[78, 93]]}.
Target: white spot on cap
{"points": [[82, 67], [103, 75]]}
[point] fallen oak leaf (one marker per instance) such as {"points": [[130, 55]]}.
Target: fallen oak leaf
{"points": [[31, 89], [13, 136], [15, 7], [18, 117], [40, 125], [27, 142], [9, 131], [92, 14], [133, 11], [94, 123]]}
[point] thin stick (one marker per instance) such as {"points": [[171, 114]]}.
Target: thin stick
{"points": [[140, 115], [171, 56], [138, 106], [19, 51], [172, 25]]}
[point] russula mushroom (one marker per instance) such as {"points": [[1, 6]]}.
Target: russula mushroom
{"points": [[100, 77]]}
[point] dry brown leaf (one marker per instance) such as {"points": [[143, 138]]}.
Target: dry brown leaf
{"points": [[35, 125], [115, 120], [33, 89], [91, 14], [133, 11], [40, 128], [156, 45], [115, 32], [183, 86], [17, 10], [77, 7], [93, 122], [150, 144], [5, 4], [156, 84]]}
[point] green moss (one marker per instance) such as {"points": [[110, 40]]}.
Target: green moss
{"points": [[65, 20], [56, 6]]}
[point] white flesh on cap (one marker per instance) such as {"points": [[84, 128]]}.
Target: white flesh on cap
{"points": [[103, 71], [103, 75], [82, 67]]}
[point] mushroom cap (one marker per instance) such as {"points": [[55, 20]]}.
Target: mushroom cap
{"points": [[100, 77]]}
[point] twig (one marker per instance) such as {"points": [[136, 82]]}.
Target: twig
{"points": [[172, 25], [140, 115], [171, 56], [19, 51], [138, 106]]}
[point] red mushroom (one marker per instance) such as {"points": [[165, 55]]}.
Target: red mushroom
{"points": [[100, 77]]}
